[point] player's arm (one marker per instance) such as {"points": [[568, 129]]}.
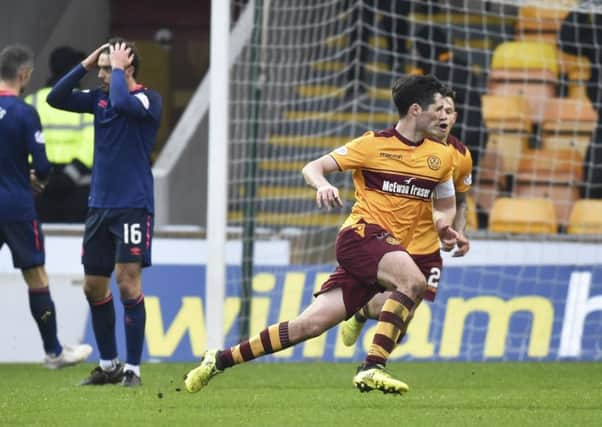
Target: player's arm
{"points": [[462, 185], [64, 97], [444, 212], [315, 175], [137, 105], [35, 146], [460, 224]]}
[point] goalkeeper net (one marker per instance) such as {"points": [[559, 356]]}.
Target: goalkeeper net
{"points": [[316, 74]]}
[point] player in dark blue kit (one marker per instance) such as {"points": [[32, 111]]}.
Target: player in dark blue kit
{"points": [[119, 224], [21, 136]]}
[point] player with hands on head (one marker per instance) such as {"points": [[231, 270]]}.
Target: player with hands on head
{"points": [[424, 246], [119, 224], [396, 173], [21, 136]]}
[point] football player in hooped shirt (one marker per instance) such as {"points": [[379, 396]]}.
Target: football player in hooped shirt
{"points": [[119, 224], [21, 136], [424, 245], [397, 172]]}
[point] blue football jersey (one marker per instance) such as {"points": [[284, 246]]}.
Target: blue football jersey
{"points": [[125, 129], [20, 136]]}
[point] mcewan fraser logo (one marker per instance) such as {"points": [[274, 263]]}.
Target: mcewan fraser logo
{"points": [[406, 189], [433, 162], [399, 185]]}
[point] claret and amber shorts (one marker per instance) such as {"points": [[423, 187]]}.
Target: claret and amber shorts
{"points": [[359, 249]]}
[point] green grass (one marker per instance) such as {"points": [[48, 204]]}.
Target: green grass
{"points": [[311, 394]]}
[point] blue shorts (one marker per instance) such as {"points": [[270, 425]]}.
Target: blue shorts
{"points": [[116, 236], [25, 241]]}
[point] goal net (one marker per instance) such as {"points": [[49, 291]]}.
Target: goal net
{"points": [[317, 73]]}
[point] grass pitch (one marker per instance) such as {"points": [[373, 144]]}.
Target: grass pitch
{"points": [[310, 394]]}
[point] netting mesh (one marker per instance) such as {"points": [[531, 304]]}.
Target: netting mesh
{"points": [[318, 73]]}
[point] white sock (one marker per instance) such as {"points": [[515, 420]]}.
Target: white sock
{"points": [[134, 368], [108, 365]]}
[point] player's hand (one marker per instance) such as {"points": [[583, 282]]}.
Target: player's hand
{"points": [[448, 237], [92, 59], [36, 185], [120, 56], [463, 246], [328, 196]]}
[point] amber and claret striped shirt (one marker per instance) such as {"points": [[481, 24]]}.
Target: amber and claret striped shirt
{"points": [[425, 239], [394, 179]]}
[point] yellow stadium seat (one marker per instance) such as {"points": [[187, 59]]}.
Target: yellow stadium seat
{"points": [[568, 124], [550, 174], [526, 68], [506, 113], [523, 55], [578, 71], [510, 146], [539, 23], [490, 180], [558, 166], [511, 215], [536, 85], [586, 217]]}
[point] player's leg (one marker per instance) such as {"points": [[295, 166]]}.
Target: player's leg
{"points": [[326, 310], [98, 258], [396, 271], [129, 280], [351, 328], [132, 230], [26, 242], [430, 265], [44, 313]]}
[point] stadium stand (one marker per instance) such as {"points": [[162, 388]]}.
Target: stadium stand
{"points": [[532, 216], [550, 174], [585, 217], [509, 125], [490, 181]]}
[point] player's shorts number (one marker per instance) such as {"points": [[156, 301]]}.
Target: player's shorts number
{"points": [[132, 234], [434, 276]]}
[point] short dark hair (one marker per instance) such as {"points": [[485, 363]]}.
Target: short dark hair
{"points": [[449, 92], [411, 89], [129, 44], [12, 59]]}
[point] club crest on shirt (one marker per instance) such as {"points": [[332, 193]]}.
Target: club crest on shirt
{"points": [[468, 179], [392, 240], [102, 103], [433, 162], [39, 137]]}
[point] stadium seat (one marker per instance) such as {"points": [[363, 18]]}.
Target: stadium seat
{"points": [[577, 70], [526, 68], [586, 217], [539, 23], [506, 113], [508, 121], [550, 174], [489, 180], [511, 215], [525, 55], [568, 123]]}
